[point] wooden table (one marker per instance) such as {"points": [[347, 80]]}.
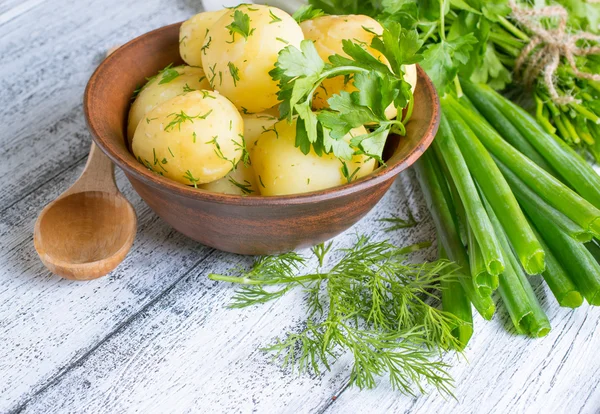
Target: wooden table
{"points": [[156, 336]]}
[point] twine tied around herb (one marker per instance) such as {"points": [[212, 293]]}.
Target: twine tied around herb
{"points": [[543, 53]]}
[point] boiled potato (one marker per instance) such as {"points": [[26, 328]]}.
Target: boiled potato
{"points": [[281, 168], [327, 32], [194, 138], [238, 57], [193, 33], [242, 180], [166, 85]]}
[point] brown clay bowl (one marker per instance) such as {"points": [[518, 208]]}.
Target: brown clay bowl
{"points": [[244, 225]]}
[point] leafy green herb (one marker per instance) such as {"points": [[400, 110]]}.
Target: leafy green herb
{"points": [[234, 72], [274, 19], [206, 94], [300, 73], [207, 43], [240, 25], [246, 186], [282, 40], [397, 223], [349, 177], [321, 250], [188, 176], [194, 136], [307, 12], [186, 88], [148, 120], [181, 118], [241, 146], [171, 152], [371, 303], [168, 74], [261, 182]]}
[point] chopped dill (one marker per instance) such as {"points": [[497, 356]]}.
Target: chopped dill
{"points": [[246, 186], [188, 176], [274, 18], [182, 117]]}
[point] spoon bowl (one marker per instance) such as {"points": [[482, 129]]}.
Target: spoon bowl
{"points": [[89, 229]]}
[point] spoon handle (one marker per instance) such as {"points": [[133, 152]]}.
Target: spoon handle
{"points": [[98, 174]]}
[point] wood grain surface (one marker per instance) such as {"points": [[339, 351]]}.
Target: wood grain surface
{"points": [[155, 336]]}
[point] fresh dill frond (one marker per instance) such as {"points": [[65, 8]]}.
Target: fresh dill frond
{"points": [[398, 223], [321, 250], [372, 304], [346, 172], [186, 88], [241, 146], [246, 186], [274, 18], [182, 117], [194, 181]]}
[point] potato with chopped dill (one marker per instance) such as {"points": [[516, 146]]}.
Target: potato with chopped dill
{"points": [[193, 33], [194, 138], [242, 180], [282, 168], [328, 32], [240, 50], [169, 83]]}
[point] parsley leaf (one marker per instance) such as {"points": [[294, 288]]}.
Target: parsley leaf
{"points": [[307, 12], [240, 25], [442, 60]]}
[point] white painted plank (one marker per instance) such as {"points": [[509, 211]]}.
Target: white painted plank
{"points": [[190, 353]]}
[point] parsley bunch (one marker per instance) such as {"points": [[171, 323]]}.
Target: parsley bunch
{"points": [[300, 73]]}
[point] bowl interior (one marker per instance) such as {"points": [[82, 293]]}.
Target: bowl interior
{"points": [[108, 98]]}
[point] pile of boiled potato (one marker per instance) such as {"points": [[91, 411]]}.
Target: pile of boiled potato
{"points": [[213, 123]]}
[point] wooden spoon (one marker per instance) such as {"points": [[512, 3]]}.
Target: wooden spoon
{"points": [[88, 230]]}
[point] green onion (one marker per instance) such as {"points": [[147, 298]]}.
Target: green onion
{"points": [[454, 301], [482, 280], [497, 119], [559, 282], [447, 231], [561, 156], [497, 191], [515, 290], [475, 212], [573, 256], [534, 204], [594, 249], [541, 182]]}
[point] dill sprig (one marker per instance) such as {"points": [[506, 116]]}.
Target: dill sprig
{"points": [[181, 117], [372, 304], [398, 223], [245, 187]]}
